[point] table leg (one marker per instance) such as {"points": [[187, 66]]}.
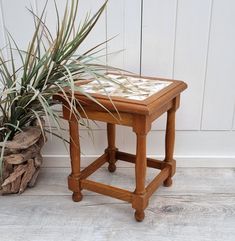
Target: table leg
{"points": [[73, 179], [140, 176], [111, 133], [169, 144]]}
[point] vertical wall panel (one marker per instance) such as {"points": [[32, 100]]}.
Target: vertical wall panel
{"points": [[175, 44], [132, 35], [124, 20], [234, 118], [193, 20], [220, 85], [18, 20], [2, 40], [115, 30], [96, 36], [158, 37], [158, 41]]}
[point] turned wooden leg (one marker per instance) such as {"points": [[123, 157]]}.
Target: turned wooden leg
{"points": [[111, 132], [140, 175], [169, 145], [73, 179]]}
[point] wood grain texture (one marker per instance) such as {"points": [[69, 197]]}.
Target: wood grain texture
{"points": [[219, 99], [141, 114], [205, 210], [187, 181]]}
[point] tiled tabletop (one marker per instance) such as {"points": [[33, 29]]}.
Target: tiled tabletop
{"points": [[129, 87]]}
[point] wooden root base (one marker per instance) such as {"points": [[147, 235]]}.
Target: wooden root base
{"points": [[139, 215], [22, 160], [77, 196]]}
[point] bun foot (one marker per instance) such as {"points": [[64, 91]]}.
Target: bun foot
{"points": [[112, 167], [77, 196], [139, 215], [168, 182]]}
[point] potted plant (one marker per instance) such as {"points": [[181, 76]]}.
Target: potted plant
{"points": [[48, 66]]}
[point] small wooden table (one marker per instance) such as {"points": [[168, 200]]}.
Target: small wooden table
{"points": [[137, 110]]}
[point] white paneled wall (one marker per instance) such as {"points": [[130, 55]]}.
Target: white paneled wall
{"points": [[192, 34], [2, 42], [220, 82], [159, 21], [18, 21], [234, 119], [123, 23], [192, 40]]}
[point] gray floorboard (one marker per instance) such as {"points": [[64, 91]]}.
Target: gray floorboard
{"points": [[200, 207]]}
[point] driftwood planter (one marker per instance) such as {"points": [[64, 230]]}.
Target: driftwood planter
{"points": [[22, 161]]}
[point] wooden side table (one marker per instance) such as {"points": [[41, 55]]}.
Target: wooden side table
{"points": [[137, 110]]}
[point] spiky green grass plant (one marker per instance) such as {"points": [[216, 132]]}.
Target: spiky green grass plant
{"points": [[48, 66]]}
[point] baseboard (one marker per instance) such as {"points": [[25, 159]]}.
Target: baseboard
{"points": [[182, 161]]}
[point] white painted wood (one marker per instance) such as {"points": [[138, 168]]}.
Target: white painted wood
{"points": [[96, 36], [188, 143], [19, 21], [219, 89], [2, 39], [92, 143], [158, 41], [200, 206], [192, 35], [115, 29], [234, 118], [158, 55], [132, 35], [158, 37], [124, 22], [210, 161], [201, 148]]}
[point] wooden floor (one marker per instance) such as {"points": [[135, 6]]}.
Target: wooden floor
{"points": [[199, 206]]}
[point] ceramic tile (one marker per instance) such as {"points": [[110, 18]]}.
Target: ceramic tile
{"points": [[126, 87]]}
